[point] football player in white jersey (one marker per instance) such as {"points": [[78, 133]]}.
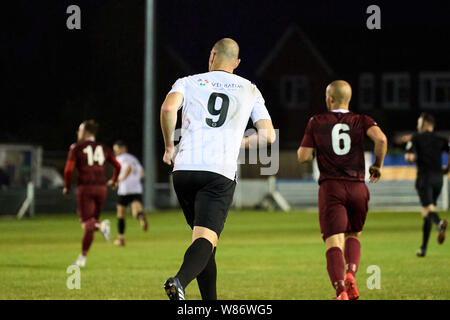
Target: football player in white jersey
{"points": [[216, 107], [129, 191]]}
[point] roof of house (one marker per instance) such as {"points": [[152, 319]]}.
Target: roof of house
{"points": [[292, 31]]}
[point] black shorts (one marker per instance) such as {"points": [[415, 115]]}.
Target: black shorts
{"points": [[205, 198], [429, 188], [125, 200]]}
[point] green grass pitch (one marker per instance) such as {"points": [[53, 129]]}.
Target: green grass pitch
{"points": [[261, 255]]}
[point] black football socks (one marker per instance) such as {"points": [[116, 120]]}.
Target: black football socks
{"points": [[121, 226], [207, 279], [426, 232], [195, 260], [434, 217]]}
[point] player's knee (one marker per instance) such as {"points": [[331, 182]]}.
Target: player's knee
{"points": [[426, 210], [208, 234], [355, 235], [336, 240], [89, 225], [121, 211], [136, 207]]}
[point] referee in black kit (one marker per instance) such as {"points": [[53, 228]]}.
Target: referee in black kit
{"points": [[426, 148]]}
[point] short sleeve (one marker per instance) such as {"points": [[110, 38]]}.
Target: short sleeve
{"points": [[368, 122], [179, 86], [308, 139], [411, 145], [259, 111], [124, 162]]}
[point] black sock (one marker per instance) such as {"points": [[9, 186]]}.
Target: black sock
{"points": [[121, 225], [207, 279], [434, 217], [195, 260], [139, 215], [426, 232]]}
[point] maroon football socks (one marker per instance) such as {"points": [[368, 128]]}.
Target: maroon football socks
{"points": [[336, 268], [352, 254], [88, 237]]}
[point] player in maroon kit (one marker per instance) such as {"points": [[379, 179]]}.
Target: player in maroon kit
{"points": [[338, 138], [89, 157]]}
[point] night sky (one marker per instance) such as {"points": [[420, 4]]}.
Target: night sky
{"points": [[53, 78]]}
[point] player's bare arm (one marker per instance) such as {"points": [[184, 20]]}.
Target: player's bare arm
{"points": [[305, 154], [404, 138], [380, 149], [168, 118], [126, 174], [265, 135]]}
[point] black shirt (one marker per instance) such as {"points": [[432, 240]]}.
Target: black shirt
{"points": [[429, 148]]}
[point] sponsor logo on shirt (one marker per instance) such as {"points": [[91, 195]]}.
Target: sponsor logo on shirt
{"points": [[219, 85], [202, 82]]}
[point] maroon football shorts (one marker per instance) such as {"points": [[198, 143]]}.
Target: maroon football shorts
{"points": [[342, 206], [90, 199]]}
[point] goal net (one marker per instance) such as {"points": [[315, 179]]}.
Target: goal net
{"points": [[20, 173]]}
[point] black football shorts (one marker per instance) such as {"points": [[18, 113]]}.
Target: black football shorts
{"points": [[125, 200], [428, 188], [205, 198]]}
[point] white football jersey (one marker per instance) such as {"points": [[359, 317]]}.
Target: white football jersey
{"points": [[215, 111], [132, 184]]}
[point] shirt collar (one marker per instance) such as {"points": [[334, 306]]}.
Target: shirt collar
{"points": [[341, 110]]}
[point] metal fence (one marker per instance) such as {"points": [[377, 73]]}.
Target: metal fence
{"points": [[250, 193]]}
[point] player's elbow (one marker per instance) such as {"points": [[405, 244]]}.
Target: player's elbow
{"points": [[303, 156], [266, 136], [303, 159], [167, 109], [271, 136], [381, 140]]}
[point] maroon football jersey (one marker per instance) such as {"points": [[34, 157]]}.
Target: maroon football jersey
{"points": [[90, 157], [338, 138]]}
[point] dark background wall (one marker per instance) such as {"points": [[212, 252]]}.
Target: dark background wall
{"points": [[53, 78]]}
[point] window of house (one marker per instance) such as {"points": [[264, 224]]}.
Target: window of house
{"points": [[396, 90], [366, 91], [294, 91], [434, 90]]}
